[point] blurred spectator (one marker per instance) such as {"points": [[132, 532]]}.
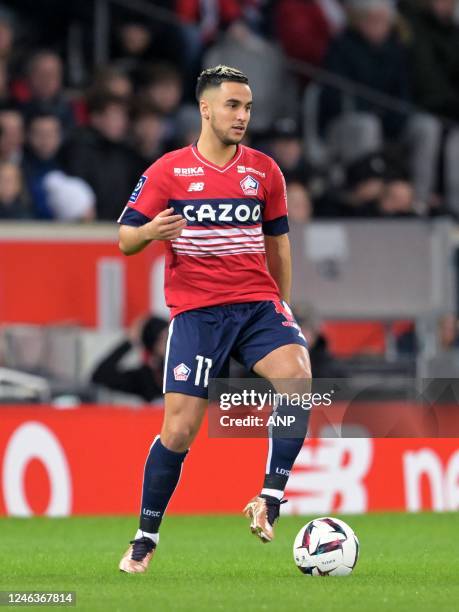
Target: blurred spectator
{"points": [[140, 42], [13, 200], [305, 27], [286, 146], [146, 380], [114, 81], [99, 155], [323, 364], [299, 203], [370, 52], [11, 135], [111, 80], [54, 195], [263, 63], [148, 132], [163, 89], [435, 55], [435, 71], [45, 82], [375, 185], [44, 138], [133, 48]]}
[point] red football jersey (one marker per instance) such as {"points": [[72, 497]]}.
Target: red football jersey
{"points": [[220, 256]]}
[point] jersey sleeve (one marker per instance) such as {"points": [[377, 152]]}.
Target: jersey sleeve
{"points": [[275, 222], [148, 198]]}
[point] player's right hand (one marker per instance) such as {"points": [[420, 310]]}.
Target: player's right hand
{"points": [[165, 226]]}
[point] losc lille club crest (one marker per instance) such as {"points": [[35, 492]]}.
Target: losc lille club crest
{"points": [[249, 185], [181, 372]]}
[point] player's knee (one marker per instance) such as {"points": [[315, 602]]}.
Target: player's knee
{"points": [[299, 368], [178, 439]]}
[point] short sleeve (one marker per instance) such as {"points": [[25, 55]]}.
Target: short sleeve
{"points": [[148, 198], [275, 220]]}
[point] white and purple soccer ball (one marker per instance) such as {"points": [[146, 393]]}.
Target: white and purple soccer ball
{"points": [[326, 547]]}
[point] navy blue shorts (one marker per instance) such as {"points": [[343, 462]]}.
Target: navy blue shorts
{"points": [[201, 342]]}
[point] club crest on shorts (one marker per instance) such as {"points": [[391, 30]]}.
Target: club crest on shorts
{"points": [[249, 185], [181, 372]]}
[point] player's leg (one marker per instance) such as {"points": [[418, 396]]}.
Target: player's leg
{"points": [[198, 347], [288, 368], [183, 416], [274, 348]]}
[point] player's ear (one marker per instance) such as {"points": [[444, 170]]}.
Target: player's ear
{"points": [[204, 108]]}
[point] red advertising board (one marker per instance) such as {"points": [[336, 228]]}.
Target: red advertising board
{"points": [[60, 280], [89, 460]]}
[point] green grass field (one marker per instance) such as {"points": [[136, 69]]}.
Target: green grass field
{"points": [[407, 562]]}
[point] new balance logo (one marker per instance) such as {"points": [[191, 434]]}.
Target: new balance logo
{"points": [[196, 171], [196, 187]]}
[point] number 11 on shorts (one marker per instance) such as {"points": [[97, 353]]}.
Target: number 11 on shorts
{"points": [[200, 359]]}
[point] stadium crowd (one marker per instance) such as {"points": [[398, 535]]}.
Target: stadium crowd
{"points": [[373, 134]]}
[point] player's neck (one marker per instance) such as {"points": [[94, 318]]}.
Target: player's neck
{"points": [[215, 151]]}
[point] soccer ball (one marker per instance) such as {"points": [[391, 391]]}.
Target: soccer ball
{"points": [[326, 547]]}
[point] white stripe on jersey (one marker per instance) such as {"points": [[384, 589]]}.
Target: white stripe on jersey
{"points": [[220, 254], [226, 241], [219, 241], [216, 246], [218, 250], [232, 231]]}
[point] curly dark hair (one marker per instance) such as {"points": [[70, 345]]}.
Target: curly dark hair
{"points": [[214, 77]]}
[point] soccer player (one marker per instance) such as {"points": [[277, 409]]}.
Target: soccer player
{"points": [[221, 209]]}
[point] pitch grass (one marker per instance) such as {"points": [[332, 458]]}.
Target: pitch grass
{"points": [[408, 562]]}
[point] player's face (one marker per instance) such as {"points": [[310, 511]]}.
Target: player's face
{"points": [[229, 109]]}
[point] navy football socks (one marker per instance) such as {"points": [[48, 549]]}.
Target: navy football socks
{"points": [[161, 475], [284, 447]]}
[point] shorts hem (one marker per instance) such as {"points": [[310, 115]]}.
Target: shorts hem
{"points": [[273, 348], [196, 394]]}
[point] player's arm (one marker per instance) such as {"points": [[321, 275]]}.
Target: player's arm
{"points": [[280, 263], [164, 226], [275, 229], [148, 215]]}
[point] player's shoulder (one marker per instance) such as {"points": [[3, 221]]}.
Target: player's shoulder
{"points": [[170, 159], [253, 156]]}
